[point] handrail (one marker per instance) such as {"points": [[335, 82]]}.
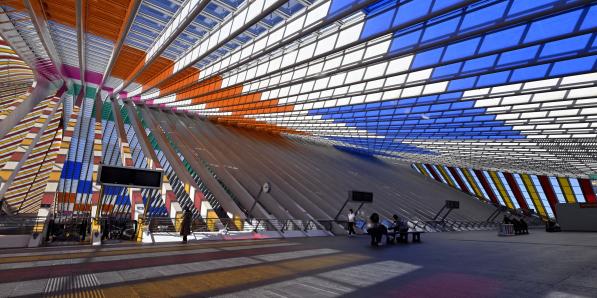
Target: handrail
{"points": [[25, 224], [167, 224], [19, 225]]}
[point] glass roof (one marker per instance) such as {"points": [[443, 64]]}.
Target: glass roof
{"points": [[503, 85]]}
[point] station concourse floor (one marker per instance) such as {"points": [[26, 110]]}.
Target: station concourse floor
{"points": [[462, 264]]}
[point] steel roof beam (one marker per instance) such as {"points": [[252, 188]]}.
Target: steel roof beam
{"points": [[258, 20], [157, 49], [41, 26], [81, 13], [247, 24], [132, 12]]}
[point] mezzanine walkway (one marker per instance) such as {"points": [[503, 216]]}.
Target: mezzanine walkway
{"points": [[471, 264]]}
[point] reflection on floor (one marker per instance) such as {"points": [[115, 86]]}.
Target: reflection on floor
{"points": [[471, 264]]}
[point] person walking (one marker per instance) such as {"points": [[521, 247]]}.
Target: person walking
{"points": [[351, 217], [83, 229], [185, 227]]}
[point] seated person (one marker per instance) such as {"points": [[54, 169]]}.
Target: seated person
{"points": [[506, 220], [517, 226], [557, 227], [523, 226], [398, 226], [552, 226], [549, 224], [376, 230]]}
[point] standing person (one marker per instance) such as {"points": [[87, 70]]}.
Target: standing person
{"points": [[351, 217], [374, 229], [83, 229], [51, 228], [185, 227]]}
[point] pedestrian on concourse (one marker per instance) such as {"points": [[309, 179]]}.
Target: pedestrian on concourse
{"points": [[185, 227], [351, 217]]}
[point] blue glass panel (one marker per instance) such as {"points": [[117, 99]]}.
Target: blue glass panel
{"points": [[479, 63], [441, 29], [420, 109], [565, 45], [517, 56], [590, 19], [424, 99], [461, 84], [446, 70], [377, 24], [574, 65], [205, 21], [493, 79], [71, 170], [529, 73], [167, 5], [484, 16], [139, 37], [502, 39], [379, 6], [440, 107], [142, 30], [450, 96], [427, 58], [112, 190], [523, 6], [339, 5], [84, 187], [461, 49], [411, 10], [154, 13], [144, 21], [553, 26], [291, 7], [443, 4], [235, 3], [217, 10], [405, 41], [272, 19], [257, 29]]}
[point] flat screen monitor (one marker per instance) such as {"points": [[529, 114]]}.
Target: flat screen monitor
{"points": [[452, 204], [129, 177], [360, 196]]}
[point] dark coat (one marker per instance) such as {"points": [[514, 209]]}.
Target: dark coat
{"points": [[185, 227]]}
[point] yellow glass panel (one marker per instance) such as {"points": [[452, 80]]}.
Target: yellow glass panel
{"points": [[533, 194], [445, 175], [498, 183], [567, 190]]}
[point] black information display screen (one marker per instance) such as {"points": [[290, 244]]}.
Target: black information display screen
{"points": [[452, 204], [361, 196], [131, 177]]}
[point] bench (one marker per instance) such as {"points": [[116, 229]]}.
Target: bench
{"points": [[403, 236], [512, 230], [506, 230]]}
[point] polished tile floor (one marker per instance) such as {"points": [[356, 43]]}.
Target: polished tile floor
{"points": [[466, 264]]}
